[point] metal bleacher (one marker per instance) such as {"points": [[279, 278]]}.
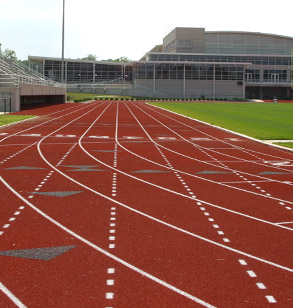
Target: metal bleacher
{"points": [[13, 73]]}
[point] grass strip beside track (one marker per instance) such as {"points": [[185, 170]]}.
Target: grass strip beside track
{"points": [[285, 144], [262, 121], [8, 119]]}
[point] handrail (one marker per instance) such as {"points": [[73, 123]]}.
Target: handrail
{"points": [[18, 73]]}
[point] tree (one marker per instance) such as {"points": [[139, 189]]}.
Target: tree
{"points": [[10, 54], [90, 57], [121, 60]]}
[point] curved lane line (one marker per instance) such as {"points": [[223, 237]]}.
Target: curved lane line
{"points": [[11, 296], [106, 253], [125, 206], [204, 149], [160, 221], [224, 129], [193, 175], [44, 122]]}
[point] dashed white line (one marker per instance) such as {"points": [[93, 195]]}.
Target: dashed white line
{"points": [[271, 299], [251, 273]]}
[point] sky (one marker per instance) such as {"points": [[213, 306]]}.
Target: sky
{"points": [[112, 29]]}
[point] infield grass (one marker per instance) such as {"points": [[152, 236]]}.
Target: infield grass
{"points": [[264, 121], [7, 119], [285, 144]]}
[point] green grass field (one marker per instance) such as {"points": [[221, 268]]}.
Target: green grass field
{"points": [[72, 96], [261, 121], [7, 119], [285, 144]]}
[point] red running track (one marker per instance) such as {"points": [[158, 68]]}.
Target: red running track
{"points": [[126, 205]]}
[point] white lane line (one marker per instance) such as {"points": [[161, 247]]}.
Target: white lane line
{"points": [[153, 218], [11, 296], [126, 264], [271, 299], [284, 223], [109, 295], [242, 262], [66, 114], [177, 193], [17, 153], [180, 154], [110, 282], [141, 213], [200, 148], [220, 128], [251, 273], [261, 286], [111, 271]]}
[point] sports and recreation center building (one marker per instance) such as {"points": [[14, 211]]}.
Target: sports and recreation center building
{"points": [[191, 63]]}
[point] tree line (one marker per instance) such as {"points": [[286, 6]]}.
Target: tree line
{"points": [[11, 54]]}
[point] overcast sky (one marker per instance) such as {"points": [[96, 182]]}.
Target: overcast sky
{"points": [[111, 29]]}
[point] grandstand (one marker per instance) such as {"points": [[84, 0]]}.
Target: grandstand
{"points": [[190, 63], [20, 85]]}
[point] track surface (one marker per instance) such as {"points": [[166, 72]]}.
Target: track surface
{"points": [[127, 205]]}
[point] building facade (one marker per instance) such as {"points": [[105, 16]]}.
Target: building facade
{"points": [[193, 63]]}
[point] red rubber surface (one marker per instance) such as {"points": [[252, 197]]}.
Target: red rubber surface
{"points": [[166, 211]]}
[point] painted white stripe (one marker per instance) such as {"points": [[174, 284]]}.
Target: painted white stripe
{"points": [[111, 271], [110, 282], [221, 128], [260, 285], [141, 213], [109, 295], [271, 299], [138, 212], [11, 296], [251, 273], [177, 193]]}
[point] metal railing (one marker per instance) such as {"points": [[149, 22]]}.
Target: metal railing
{"points": [[13, 73], [5, 104]]}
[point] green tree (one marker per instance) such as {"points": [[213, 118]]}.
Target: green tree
{"points": [[90, 57], [10, 54], [121, 60]]}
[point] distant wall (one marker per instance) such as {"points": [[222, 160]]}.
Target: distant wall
{"points": [[27, 94]]}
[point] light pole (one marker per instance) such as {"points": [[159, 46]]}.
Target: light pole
{"points": [[62, 64]]}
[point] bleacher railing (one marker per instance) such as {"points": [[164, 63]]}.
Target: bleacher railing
{"points": [[13, 73]]}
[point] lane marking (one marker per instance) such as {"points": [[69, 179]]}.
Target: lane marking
{"points": [[261, 286], [11, 296], [108, 254], [271, 299], [200, 148], [150, 107], [251, 273], [136, 211], [242, 262]]}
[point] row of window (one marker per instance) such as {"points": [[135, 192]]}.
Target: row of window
{"points": [[257, 60], [254, 75], [83, 72], [193, 71]]}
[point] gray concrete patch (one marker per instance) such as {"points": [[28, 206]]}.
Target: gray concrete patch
{"points": [[212, 172], [44, 254], [105, 151], [151, 171], [24, 168], [83, 168], [272, 172], [59, 194]]}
